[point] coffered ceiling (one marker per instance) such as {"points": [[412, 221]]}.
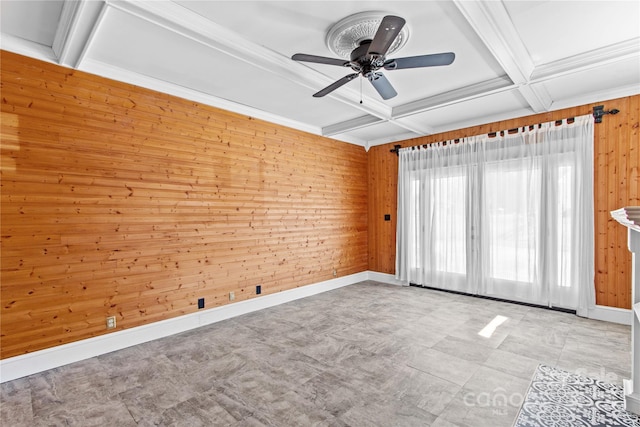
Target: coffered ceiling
{"points": [[513, 58]]}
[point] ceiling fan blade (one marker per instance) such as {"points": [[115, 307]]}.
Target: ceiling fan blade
{"points": [[335, 85], [382, 85], [420, 61], [387, 32], [320, 59]]}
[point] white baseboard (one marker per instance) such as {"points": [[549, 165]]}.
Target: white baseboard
{"points": [[385, 278], [622, 316], [631, 399], [599, 312], [42, 360]]}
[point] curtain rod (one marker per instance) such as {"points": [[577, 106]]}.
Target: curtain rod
{"points": [[598, 113]]}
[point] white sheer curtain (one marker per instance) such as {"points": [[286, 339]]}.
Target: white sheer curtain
{"points": [[509, 216]]}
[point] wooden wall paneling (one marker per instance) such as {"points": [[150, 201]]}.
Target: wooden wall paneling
{"points": [[601, 216], [617, 131], [383, 172], [118, 200], [612, 182], [634, 150], [616, 177]]}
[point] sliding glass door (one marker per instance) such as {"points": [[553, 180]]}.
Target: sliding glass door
{"points": [[498, 218], [528, 230]]}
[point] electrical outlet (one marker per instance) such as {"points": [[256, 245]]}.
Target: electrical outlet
{"points": [[111, 322], [232, 296], [258, 289], [200, 302], [335, 273]]}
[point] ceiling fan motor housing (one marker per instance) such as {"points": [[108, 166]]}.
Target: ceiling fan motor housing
{"points": [[365, 62]]}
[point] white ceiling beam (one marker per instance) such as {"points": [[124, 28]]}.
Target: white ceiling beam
{"points": [[536, 96], [406, 123], [414, 125], [65, 23], [77, 24], [349, 125], [491, 22]]}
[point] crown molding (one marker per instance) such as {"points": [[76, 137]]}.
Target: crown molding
{"points": [[27, 48], [115, 73], [617, 52], [600, 96], [497, 117], [386, 140]]}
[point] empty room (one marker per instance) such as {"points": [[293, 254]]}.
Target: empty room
{"points": [[320, 213]]}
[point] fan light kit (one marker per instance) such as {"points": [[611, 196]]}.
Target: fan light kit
{"points": [[351, 37]]}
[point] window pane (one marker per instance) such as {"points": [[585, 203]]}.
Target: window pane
{"points": [[450, 222], [442, 248], [512, 220], [564, 217]]}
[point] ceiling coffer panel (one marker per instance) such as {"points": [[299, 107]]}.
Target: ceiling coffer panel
{"points": [[498, 106], [132, 43], [601, 79], [43, 17], [574, 27]]}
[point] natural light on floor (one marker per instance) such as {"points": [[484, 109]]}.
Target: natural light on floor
{"points": [[491, 327]]}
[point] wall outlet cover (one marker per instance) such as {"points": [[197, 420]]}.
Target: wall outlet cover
{"points": [[200, 302], [258, 289], [111, 322]]}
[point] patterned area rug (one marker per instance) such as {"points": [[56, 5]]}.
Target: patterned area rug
{"points": [[558, 398]]}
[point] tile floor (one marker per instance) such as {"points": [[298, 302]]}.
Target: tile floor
{"points": [[368, 354]]}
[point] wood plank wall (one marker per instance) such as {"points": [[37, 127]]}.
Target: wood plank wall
{"points": [[617, 179], [122, 201]]}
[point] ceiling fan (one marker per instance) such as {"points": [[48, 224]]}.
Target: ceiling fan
{"points": [[370, 56]]}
